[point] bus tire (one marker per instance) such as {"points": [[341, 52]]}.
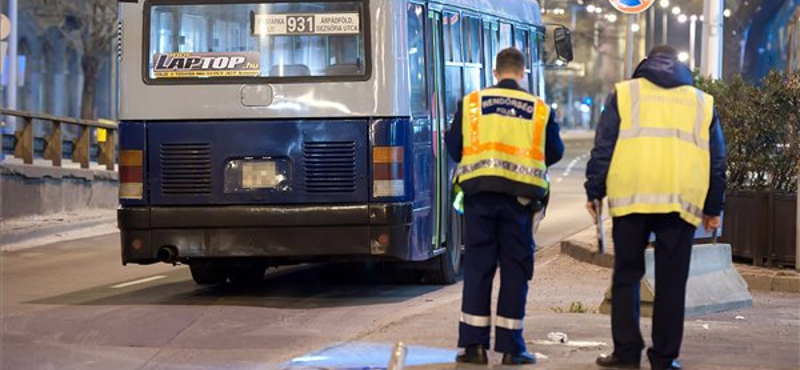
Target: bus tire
{"points": [[207, 272], [448, 265], [247, 274]]}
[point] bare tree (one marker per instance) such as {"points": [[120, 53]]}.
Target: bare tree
{"points": [[89, 26]]}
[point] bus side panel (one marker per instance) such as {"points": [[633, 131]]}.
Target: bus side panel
{"points": [[326, 160]]}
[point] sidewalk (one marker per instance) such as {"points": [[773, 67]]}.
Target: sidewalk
{"points": [[583, 247], [564, 297], [33, 231]]}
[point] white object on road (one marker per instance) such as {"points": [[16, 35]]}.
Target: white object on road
{"points": [[558, 337], [739, 317]]}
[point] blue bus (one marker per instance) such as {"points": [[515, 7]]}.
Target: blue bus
{"points": [[263, 133]]}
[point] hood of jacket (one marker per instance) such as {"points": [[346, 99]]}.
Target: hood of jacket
{"points": [[664, 71]]}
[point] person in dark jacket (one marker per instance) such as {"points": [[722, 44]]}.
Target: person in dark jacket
{"points": [[659, 157], [511, 140]]}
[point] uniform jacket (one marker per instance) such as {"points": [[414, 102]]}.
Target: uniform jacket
{"points": [[454, 138], [666, 72]]}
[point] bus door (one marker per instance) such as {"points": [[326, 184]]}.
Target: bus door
{"points": [[442, 180]]}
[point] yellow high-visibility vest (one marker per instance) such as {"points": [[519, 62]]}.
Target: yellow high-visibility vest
{"points": [[504, 136], [661, 162]]}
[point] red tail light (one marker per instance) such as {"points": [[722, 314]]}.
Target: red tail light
{"points": [[131, 174]]}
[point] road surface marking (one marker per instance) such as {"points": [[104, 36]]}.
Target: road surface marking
{"points": [[140, 281], [545, 263], [572, 343]]}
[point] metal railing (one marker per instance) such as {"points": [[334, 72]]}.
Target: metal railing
{"points": [[53, 144]]}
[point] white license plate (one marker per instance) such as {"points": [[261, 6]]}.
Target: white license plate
{"points": [[259, 174]]}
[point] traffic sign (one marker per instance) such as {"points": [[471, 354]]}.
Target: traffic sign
{"points": [[632, 6], [5, 27]]}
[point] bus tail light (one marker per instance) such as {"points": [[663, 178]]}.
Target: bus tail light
{"points": [[388, 172], [131, 174]]}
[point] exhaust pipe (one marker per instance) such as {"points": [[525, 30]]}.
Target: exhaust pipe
{"points": [[168, 254]]}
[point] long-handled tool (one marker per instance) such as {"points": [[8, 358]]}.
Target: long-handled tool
{"points": [[601, 235]]}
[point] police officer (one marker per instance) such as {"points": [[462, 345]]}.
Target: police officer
{"points": [[659, 156], [504, 139]]}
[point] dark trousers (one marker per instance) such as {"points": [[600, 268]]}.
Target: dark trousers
{"points": [[497, 229], [673, 251]]}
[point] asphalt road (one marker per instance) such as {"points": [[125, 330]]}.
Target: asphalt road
{"points": [[72, 305]]}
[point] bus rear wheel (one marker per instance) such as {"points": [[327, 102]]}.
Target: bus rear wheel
{"points": [[247, 274], [208, 272], [448, 265]]}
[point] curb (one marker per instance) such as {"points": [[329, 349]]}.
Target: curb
{"points": [[765, 281], [586, 253]]}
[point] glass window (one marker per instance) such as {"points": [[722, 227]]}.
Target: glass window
{"points": [[452, 37], [473, 40], [505, 36], [537, 49], [453, 89], [416, 59], [273, 40], [522, 43], [491, 38], [472, 80]]}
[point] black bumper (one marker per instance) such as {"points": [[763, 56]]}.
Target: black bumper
{"points": [[292, 232]]}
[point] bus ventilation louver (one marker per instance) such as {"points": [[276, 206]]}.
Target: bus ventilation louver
{"points": [[330, 167], [186, 169]]}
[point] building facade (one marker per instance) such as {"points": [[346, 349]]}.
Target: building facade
{"points": [[50, 76]]}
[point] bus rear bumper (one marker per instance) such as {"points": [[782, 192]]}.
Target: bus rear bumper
{"points": [[296, 233]]}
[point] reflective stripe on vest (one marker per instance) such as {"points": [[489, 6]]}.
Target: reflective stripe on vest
{"points": [[504, 134], [661, 161]]}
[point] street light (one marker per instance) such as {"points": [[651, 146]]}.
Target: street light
{"points": [[635, 27], [683, 18], [727, 13], [664, 4], [590, 8], [611, 18], [683, 57], [676, 10], [692, 40]]}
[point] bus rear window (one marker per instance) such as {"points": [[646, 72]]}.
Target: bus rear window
{"points": [[289, 41]]}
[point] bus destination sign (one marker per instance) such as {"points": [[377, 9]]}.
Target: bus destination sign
{"points": [[201, 65], [306, 24]]}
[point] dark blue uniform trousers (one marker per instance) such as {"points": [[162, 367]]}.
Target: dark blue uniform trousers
{"points": [[497, 229], [673, 251]]}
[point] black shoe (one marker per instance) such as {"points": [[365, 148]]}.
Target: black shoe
{"points": [[615, 362], [474, 354], [675, 365], [524, 358]]}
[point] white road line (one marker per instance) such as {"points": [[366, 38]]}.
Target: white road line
{"points": [[545, 263], [140, 281]]}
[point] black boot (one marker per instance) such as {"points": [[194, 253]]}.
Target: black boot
{"points": [[523, 358], [675, 365], [615, 362], [474, 354]]}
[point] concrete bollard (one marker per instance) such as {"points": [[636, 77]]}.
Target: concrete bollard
{"points": [[714, 284]]}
